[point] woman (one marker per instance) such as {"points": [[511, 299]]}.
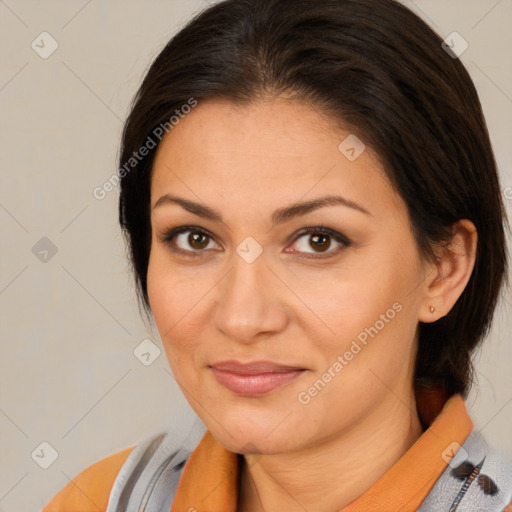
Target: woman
{"points": [[315, 223]]}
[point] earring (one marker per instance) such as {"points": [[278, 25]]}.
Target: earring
{"points": [[432, 309]]}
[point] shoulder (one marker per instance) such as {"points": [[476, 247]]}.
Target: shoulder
{"points": [[91, 487], [148, 472]]}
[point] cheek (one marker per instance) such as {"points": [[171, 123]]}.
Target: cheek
{"points": [[164, 295], [365, 308], [351, 296], [175, 300], [171, 292], [158, 295]]}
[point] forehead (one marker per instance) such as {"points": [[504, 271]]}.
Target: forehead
{"points": [[275, 149]]}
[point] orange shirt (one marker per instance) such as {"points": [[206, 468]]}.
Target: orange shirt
{"points": [[209, 480], [90, 490], [210, 476]]}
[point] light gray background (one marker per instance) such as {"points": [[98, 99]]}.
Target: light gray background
{"points": [[69, 325]]}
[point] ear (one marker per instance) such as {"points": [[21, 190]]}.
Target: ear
{"points": [[451, 274]]}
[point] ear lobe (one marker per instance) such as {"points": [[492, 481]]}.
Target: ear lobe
{"points": [[452, 272]]}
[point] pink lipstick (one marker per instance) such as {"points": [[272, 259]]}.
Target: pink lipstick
{"points": [[255, 378]]}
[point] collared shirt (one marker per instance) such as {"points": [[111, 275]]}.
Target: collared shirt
{"points": [[210, 477], [449, 468]]}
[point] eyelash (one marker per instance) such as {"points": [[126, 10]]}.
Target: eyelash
{"points": [[169, 236]]}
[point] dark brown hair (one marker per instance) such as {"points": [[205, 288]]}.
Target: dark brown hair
{"points": [[380, 70]]}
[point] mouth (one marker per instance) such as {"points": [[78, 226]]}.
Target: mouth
{"points": [[255, 378]]}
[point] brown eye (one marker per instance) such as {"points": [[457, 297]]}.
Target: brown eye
{"points": [[319, 240], [197, 240], [191, 239], [187, 240]]}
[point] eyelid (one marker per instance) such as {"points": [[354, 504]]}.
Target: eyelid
{"points": [[340, 238], [168, 236]]}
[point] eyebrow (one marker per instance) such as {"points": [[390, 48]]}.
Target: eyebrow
{"points": [[280, 216]]}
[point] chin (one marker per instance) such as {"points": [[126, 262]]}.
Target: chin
{"points": [[245, 436], [250, 443]]}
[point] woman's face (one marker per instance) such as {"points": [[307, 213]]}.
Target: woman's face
{"points": [[280, 338]]}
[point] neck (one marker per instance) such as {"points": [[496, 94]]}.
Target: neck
{"points": [[358, 458]]}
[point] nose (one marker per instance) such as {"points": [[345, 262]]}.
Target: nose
{"points": [[250, 302]]}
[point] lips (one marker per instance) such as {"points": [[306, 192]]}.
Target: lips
{"points": [[254, 368], [254, 378]]}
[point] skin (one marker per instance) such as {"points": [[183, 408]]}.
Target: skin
{"points": [[288, 307]]}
